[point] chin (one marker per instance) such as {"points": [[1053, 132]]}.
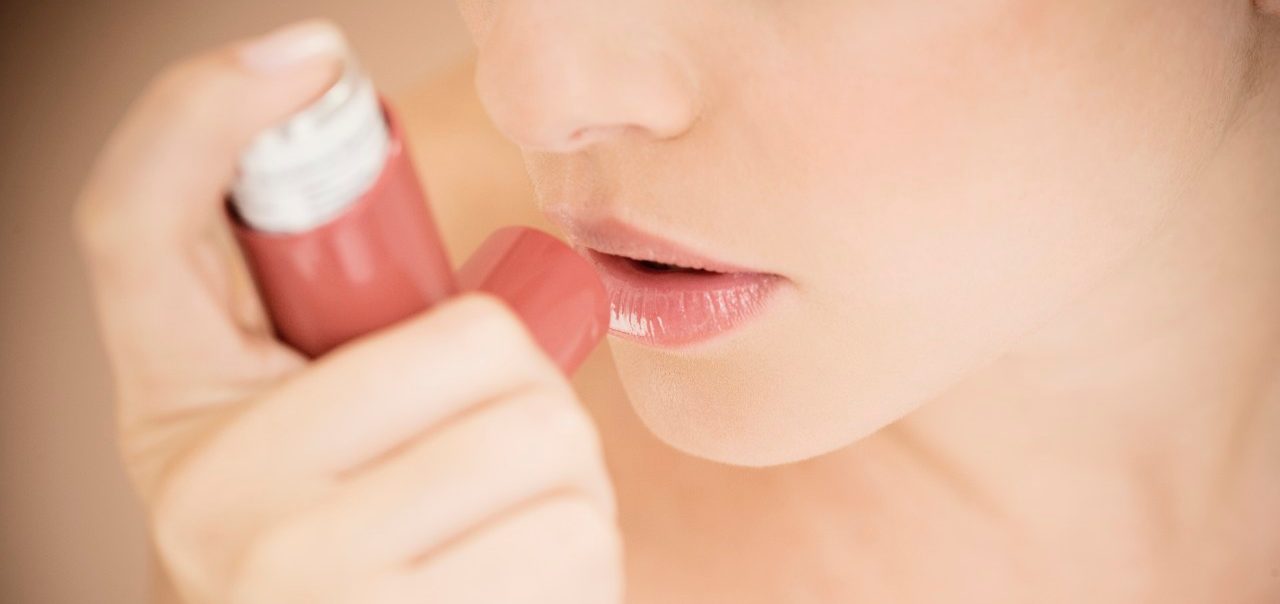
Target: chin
{"points": [[755, 400]]}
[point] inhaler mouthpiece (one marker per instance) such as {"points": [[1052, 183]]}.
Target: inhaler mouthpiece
{"points": [[306, 171]]}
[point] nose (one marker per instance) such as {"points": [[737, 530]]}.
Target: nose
{"points": [[560, 75]]}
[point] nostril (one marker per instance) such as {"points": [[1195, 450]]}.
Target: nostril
{"points": [[592, 134]]}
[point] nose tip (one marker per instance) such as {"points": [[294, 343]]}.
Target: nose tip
{"points": [[566, 88]]}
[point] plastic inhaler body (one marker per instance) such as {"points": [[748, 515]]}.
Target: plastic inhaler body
{"points": [[334, 224]]}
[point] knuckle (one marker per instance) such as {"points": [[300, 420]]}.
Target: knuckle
{"points": [[516, 428], [103, 237], [583, 534], [188, 81], [485, 327], [278, 551], [299, 558], [180, 522], [97, 229], [190, 89], [489, 320], [105, 246], [549, 416], [89, 228], [191, 512], [484, 330], [186, 511], [556, 442]]}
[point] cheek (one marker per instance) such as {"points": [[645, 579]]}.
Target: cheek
{"points": [[1006, 134], [936, 188], [966, 181]]}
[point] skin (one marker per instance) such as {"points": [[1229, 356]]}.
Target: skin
{"points": [[1037, 242], [457, 409], [1023, 233], [936, 184]]}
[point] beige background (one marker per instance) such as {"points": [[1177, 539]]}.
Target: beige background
{"points": [[69, 528]]}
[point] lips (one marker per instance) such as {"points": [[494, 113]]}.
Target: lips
{"points": [[666, 295]]}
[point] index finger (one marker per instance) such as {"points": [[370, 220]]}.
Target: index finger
{"points": [[155, 196]]}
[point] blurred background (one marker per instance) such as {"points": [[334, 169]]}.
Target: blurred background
{"points": [[70, 530]]}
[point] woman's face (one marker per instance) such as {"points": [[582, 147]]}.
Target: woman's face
{"points": [[931, 181]]}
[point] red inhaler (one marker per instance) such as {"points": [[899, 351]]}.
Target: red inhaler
{"points": [[337, 234]]}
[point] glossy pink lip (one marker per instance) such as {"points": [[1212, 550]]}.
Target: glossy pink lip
{"points": [[692, 300]]}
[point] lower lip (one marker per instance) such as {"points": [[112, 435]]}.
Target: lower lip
{"points": [[678, 308]]}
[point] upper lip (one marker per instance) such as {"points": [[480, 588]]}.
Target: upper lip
{"points": [[613, 236]]}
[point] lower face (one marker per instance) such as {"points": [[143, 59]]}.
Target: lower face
{"points": [[897, 193]]}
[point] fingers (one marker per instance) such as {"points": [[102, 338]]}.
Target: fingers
{"points": [[394, 448], [364, 400], [485, 469], [558, 549], [470, 470], [148, 216]]}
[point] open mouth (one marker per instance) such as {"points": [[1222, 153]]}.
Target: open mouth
{"points": [[676, 303], [661, 267], [663, 293]]}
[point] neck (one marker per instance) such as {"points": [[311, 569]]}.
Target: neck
{"points": [[1144, 418], [1133, 439]]}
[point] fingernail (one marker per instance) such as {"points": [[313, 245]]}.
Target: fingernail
{"points": [[293, 44], [554, 290]]}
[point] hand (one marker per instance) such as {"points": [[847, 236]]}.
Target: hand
{"points": [[444, 460]]}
